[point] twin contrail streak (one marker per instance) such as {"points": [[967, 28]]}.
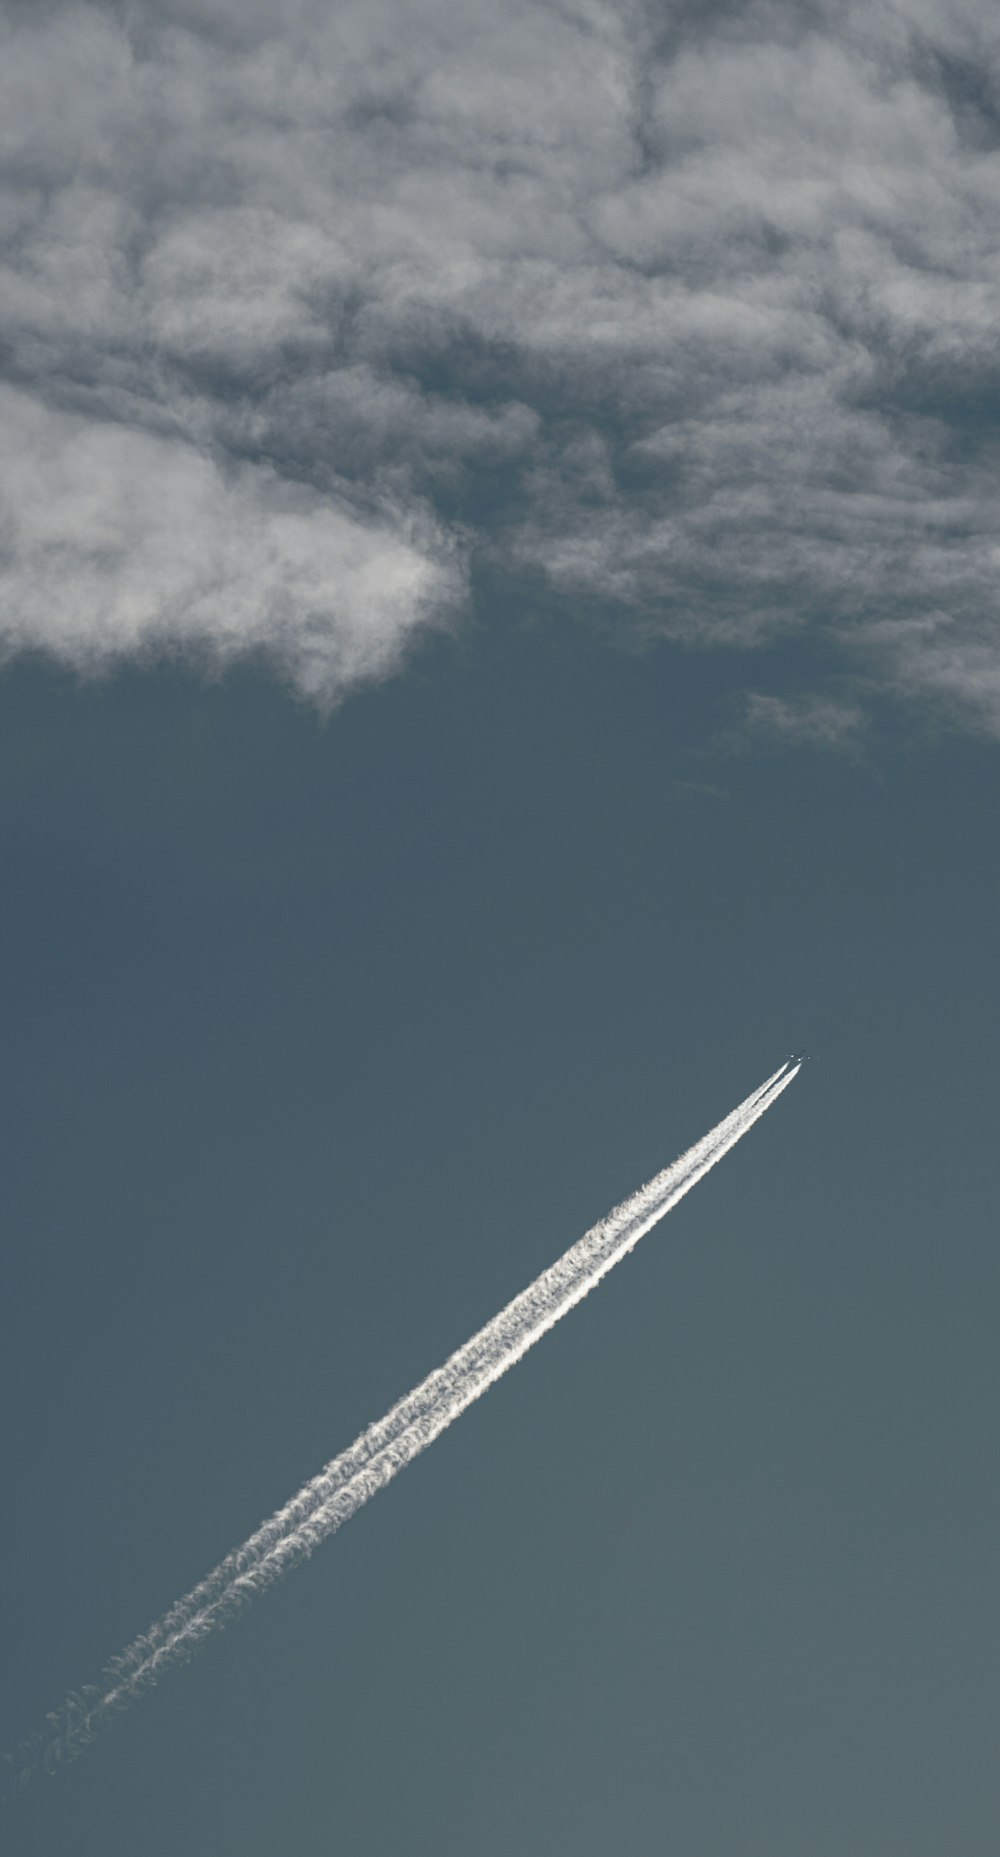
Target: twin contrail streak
{"points": [[348, 1481]]}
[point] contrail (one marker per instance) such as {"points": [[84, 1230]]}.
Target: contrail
{"points": [[349, 1480]]}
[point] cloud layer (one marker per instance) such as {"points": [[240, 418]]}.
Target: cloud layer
{"points": [[691, 311]]}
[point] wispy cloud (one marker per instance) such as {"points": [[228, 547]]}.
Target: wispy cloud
{"points": [[814, 721], [695, 315]]}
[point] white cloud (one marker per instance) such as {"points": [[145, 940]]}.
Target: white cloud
{"points": [[120, 542], [695, 314]]}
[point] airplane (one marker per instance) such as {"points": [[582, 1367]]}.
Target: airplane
{"points": [[798, 1057]]}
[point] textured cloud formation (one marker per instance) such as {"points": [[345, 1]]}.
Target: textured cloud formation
{"points": [[692, 311], [123, 540]]}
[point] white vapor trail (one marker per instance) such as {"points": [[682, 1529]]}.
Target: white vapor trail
{"points": [[350, 1479]]}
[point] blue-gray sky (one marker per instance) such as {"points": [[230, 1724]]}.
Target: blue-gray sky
{"points": [[500, 531]]}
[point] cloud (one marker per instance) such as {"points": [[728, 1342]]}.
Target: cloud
{"points": [[124, 542], [813, 721], [693, 315]]}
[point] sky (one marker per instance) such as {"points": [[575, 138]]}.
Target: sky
{"points": [[499, 633]]}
